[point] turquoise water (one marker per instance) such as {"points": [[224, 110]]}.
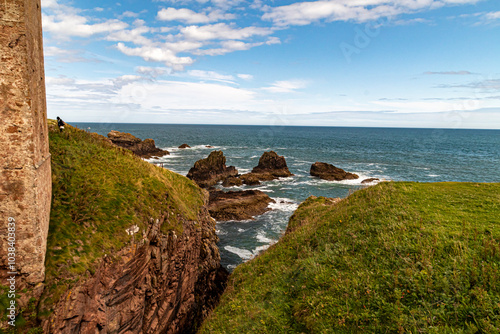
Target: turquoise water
{"points": [[424, 155]]}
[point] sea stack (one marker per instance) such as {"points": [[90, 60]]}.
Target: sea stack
{"points": [[329, 172], [207, 172], [271, 166]]}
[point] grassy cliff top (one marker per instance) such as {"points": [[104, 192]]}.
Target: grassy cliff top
{"points": [[98, 192], [392, 258]]}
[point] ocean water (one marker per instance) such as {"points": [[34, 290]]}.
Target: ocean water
{"points": [[423, 155]]}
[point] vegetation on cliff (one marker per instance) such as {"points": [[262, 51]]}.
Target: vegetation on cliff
{"points": [[100, 191], [396, 258]]}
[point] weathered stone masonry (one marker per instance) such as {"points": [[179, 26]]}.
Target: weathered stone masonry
{"points": [[25, 174]]}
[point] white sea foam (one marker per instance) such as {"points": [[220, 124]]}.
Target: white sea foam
{"points": [[241, 230], [261, 237], [433, 175], [283, 204], [220, 232], [242, 253], [259, 249]]}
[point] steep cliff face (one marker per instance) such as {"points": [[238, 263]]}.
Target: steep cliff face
{"points": [[131, 247], [166, 285]]}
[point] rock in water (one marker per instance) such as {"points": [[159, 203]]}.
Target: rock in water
{"points": [[232, 181], [207, 172], [184, 146], [238, 205], [145, 149], [373, 179], [330, 172], [272, 163], [271, 166]]}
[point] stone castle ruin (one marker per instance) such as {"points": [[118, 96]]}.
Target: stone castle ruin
{"points": [[25, 172]]}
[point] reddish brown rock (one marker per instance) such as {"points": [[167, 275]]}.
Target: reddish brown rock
{"points": [[184, 146], [144, 148], [167, 284], [330, 172], [207, 172], [271, 166], [370, 180], [238, 205], [232, 181]]}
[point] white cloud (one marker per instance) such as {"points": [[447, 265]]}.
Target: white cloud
{"points": [[286, 86], [245, 76], [222, 31], [303, 13], [493, 15], [152, 72], [134, 35], [189, 16], [63, 21], [211, 75], [59, 81], [159, 54]]}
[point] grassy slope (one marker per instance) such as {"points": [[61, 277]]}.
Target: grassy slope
{"points": [[98, 192], [393, 258]]}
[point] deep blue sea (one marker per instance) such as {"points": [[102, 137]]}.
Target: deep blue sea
{"points": [[424, 155]]}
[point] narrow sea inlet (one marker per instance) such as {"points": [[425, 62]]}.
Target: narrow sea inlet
{"points": [[423, 155]]}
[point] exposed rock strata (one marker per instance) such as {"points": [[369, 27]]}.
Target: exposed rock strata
{"points": [[238, 205], [166, 285], [330, 172], [207, 172], [144, 148], [271, 166]]}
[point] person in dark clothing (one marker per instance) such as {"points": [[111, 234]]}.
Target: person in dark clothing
{"points": [[60, 124]]}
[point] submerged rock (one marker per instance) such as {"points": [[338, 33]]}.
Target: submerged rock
{"points": [[184, 146], [373, 179], [207, 172], [238, 205], [144, 148], [329, 172], [271, 166]]}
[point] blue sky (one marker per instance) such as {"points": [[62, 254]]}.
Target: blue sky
{"points": [[374, 63]]}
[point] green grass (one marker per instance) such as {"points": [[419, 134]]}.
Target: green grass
{"points": [[392, 258], [98, 192]]}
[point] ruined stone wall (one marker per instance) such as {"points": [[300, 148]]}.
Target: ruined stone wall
{"points": [[25, 174]]}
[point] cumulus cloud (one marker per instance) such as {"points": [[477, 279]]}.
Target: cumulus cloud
{"points": [[222, 31], [158, 54], [189, 16], [63, 22], [303, 13]]}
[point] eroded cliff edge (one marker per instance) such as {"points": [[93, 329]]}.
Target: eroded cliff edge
{"points": [[131, 247]]}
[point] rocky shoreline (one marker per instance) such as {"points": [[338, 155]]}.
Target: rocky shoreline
{"points": [[212, 170]]}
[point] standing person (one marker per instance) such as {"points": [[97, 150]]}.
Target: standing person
{"points": [[60, 124]]}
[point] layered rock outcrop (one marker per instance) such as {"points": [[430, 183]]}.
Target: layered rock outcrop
{"points": [[329, 172], [207, 172], [271, 166], [144, 148], [165, 284], [238, 205]]}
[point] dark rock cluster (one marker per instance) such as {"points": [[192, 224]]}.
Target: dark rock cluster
{"points": [[144, 148]]}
